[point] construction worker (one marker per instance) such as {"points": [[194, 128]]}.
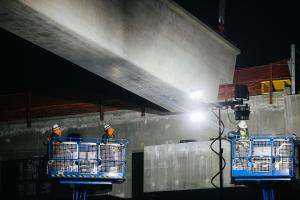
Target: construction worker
{"points": [[242, 129], [242, 132], [56, 131], [109, 132], [111, 150]]}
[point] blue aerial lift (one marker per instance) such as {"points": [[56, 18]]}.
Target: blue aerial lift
{"points": [[86, 161], [263, 158]]}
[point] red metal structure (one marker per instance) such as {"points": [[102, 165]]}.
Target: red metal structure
{"points": [[254, 76]]}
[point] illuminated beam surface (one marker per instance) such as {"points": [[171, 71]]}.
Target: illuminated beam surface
{"points": [[152, 48]]}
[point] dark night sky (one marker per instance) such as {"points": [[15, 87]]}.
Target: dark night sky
{"points": [[262, 30]]}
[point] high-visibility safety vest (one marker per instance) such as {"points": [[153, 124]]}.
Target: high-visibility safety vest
{"points": [[243, 133], [108, 138]]}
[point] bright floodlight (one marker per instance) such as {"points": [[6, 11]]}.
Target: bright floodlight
{"points": [[197, 116], [196, 95]]}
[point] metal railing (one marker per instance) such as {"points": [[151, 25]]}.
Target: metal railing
{"points": [[87, 158], [263, 157]]}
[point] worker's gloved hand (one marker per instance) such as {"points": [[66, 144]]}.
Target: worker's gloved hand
{"points": [[232, 134]]}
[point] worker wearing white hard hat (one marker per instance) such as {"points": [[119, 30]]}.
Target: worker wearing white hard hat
{"points": [[56, 131], [242, 129], [112, 151], [109, 132]]}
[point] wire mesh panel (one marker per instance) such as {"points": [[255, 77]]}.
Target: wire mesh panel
{"points": [[111, 167], [112, 158], [261, 148], [241, 164], [262, 164], [63, 166], [64, 150], [282, 148], [241, 148], [88, 151], [87, 158], [88, 166], [283, 164], [111, 151]]}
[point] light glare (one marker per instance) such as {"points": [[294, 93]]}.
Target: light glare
{"points": [[197, 116], [196, 95]]}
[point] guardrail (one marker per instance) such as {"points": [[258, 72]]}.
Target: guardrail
{"points": [[262, 157], [87, 159]]}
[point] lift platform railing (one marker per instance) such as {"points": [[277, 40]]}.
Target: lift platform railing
{"points": [[87, 159], [262, 157]]}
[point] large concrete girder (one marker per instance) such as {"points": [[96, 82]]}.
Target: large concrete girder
{"points": [[152, 48]]}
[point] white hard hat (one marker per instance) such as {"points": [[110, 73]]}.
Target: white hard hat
{"points": [[55, 127], [106, 126], [242, 124]]}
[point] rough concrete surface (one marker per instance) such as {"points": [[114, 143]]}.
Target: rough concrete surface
{"points": [[183, 166], [154, 48]]}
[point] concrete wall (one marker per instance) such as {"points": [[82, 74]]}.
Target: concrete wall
{"points": [[152, 48], [183, 166], [18, 142], [268, 118]]}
